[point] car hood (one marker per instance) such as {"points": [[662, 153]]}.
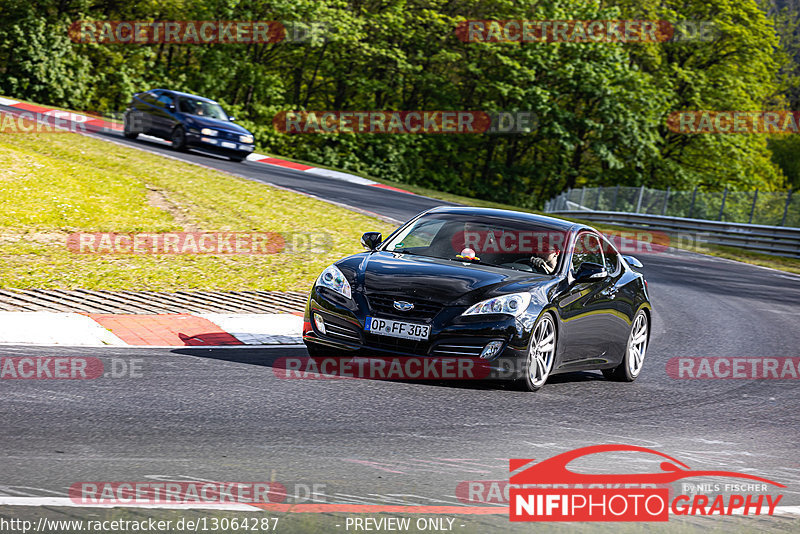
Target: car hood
{"points": [[436, 280], [207, 122]]}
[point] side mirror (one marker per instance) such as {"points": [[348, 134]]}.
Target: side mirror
{"points": [[633, 262], [231, 119], [371, 240], [590, 272]]}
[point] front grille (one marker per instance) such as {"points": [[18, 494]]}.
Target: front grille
{"points": [[383, 305], [410, 346], [457, 350], [228, 135]]}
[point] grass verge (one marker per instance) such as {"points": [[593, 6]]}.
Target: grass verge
{"points": [[52, 185]]}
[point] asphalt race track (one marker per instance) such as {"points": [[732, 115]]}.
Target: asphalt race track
{"points": [[222, 414]]}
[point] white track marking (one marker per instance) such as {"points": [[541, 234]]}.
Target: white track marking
{"points": [[52, 328], [69, 503], [260, 328]]}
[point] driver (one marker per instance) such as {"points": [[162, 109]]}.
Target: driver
{"points": [[546, 261]]}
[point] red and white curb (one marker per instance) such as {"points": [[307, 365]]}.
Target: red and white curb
{"points": [[76, 117], [163, 330]]}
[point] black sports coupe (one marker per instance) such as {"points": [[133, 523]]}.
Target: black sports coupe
{"points": [[187, 121], [549, 295]]}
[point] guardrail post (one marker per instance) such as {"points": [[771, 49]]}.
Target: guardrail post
{"points": [[639, 202], [666, 199], [616, 195], [722, 206], [691, 208], [753, 209], [786, 207]]}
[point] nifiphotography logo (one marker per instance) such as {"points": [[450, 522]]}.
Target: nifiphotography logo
{"points": [[549, 491]]}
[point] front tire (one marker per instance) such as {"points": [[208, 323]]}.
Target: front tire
{"points": [[178, 139], [541, 353], [635, 350]]}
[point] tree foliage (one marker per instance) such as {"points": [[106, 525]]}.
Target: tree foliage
{"points": [[600, 108]]}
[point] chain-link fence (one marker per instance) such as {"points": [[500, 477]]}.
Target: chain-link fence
{"points": [[750, 207]]}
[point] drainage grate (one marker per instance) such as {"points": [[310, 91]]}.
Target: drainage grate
{"points": [[150, 302]]}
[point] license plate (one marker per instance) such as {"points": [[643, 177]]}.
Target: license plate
{"points": [[226, 144], [401, 329]]}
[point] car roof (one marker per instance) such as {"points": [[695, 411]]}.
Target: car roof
{"points": [[542, 220], [178, 93]]}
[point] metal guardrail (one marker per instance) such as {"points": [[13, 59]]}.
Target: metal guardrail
{"points": [[774, 240], [768, 208]]}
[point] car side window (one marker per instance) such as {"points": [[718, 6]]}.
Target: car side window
{"points": [[611, 257], [164, 101], [587, 249], [185, 105]]}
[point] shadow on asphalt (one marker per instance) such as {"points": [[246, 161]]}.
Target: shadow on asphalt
{"points": [[275, 357]]}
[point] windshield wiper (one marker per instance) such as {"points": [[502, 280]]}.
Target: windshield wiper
{"points": [[405, 251]]}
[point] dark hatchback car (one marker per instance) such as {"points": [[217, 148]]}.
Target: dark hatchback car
{"points": [[546, 295], [188, 121]]}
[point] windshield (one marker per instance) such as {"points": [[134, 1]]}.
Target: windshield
{"points": [[495, 241], [202, 108]]}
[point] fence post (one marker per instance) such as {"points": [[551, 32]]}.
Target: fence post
{"points": [[666, 199], [616, 195], [691, 208], [753, 209], [583, 193], [597, 200], [722, 206], [639, 202], [786, 207]]}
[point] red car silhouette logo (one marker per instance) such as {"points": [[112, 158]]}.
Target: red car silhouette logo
{"points": [[554, 470]]}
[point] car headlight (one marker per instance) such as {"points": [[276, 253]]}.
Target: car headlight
{"points": [[209, 131], [514, 304], [245, 138], [332, 278]]}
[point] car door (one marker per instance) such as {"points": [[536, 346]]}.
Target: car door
{"points": [[618, 297], [585, 307], [141, 112], [163, 119]]}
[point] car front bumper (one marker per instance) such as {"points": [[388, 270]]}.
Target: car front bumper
{"points": [[452, 336], [219, 145]]}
